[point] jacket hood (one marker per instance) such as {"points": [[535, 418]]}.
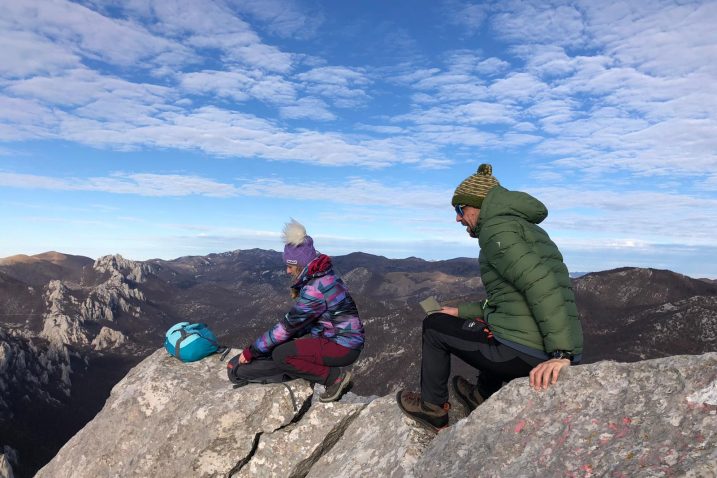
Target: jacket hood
{"points": [[503, 202]]}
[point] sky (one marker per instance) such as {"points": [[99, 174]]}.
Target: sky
{"points": [[159, 129]]}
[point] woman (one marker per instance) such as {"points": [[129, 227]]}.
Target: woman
{"points": [[324, 316]]}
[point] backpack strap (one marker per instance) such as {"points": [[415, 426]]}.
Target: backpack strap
{"points": [[213, 342], [183, 335]]}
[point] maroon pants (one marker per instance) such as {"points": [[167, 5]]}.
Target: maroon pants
{"points": [[313, 358]]}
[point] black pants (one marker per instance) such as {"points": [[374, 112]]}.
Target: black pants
{"points": [[444, 335], [314, 358]]}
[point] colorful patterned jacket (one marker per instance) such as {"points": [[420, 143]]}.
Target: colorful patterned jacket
{"points": [[324, 308]]}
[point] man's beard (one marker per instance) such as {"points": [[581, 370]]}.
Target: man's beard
{"points": [[469, 229]]}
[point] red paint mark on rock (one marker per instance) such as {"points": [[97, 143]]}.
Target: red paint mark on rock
{"points": [[627, 420], [519, 427]]}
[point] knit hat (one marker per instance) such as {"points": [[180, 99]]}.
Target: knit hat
{"points": [[475, 187], [299, 249]]}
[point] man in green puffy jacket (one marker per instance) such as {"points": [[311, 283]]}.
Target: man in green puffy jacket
{"points": [[529, 324]]}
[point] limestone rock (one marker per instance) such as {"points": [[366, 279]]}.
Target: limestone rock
{"points": [[119, 292], [108, 339], [117, 265], [292, 451], [40, 371], [645, 419], [60, 325], [379, 442], [168, 418], [5, 468], [7, 458]]}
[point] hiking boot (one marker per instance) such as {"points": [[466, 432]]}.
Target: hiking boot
{"points": [[466, 393], [428, 415], [333, 392]]}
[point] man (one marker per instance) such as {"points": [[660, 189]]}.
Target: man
{"points": [[529, 324]]}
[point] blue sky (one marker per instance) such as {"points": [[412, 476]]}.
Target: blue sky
{"points": [[177, 127]]}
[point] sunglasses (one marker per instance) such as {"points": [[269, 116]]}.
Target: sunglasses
{"points": [[459, 210]]}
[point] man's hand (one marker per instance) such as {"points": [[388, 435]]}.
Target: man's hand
{"points": [[546, 373], [450, 311]]}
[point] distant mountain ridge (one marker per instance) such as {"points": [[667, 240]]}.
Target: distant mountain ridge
{"points": [[92, 320]]}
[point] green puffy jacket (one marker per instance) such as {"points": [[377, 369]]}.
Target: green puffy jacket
{"points": [[530, 298]]}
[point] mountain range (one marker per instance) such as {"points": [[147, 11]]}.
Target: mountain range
{"points": [[71, 326]]}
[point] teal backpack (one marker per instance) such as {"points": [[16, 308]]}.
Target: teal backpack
{"points": [[190, 342]]}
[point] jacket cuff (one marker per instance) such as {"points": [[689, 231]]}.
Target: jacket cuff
{"points": [[470, 310], [246, 353]]}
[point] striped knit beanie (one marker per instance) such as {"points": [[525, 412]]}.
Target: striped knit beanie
{"points": [[475, 187]]}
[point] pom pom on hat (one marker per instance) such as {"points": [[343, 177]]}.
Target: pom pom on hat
{"points": [[299, 247], [475, 187], [485, 169], [294, 233]]}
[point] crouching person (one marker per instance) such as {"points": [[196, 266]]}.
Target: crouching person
{"points": [[529, 324], [319, 335]]}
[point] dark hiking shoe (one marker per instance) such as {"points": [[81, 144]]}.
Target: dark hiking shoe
{"points": [[428, 415], [333, 392], [466, 393]]}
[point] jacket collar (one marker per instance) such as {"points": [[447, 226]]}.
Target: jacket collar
{"points": [[319, 267]]}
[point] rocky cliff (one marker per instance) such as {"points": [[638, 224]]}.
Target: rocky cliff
{"points": [[166, 418], [6, 460], [73, 326]]}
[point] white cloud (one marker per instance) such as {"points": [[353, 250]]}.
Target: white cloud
{"points": [[283, 18], [413, 75], [26, 54], [518, 87], [596, 101], [663, 38], [141, 184], [240, 85], [23, 119], [539, 22], [469, 16], [476, 112], [652, 217], [82, 86], [85, 32], [492, 66], [353, 191], [227, 84], [547, 60], [262, 56], [227, 133], [382, 129], [157, 35], [307, 108], [338, 75], [340, 85]]}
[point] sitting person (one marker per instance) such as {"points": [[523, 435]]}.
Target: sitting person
{"points": [[320, 334], [528, 326]]}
